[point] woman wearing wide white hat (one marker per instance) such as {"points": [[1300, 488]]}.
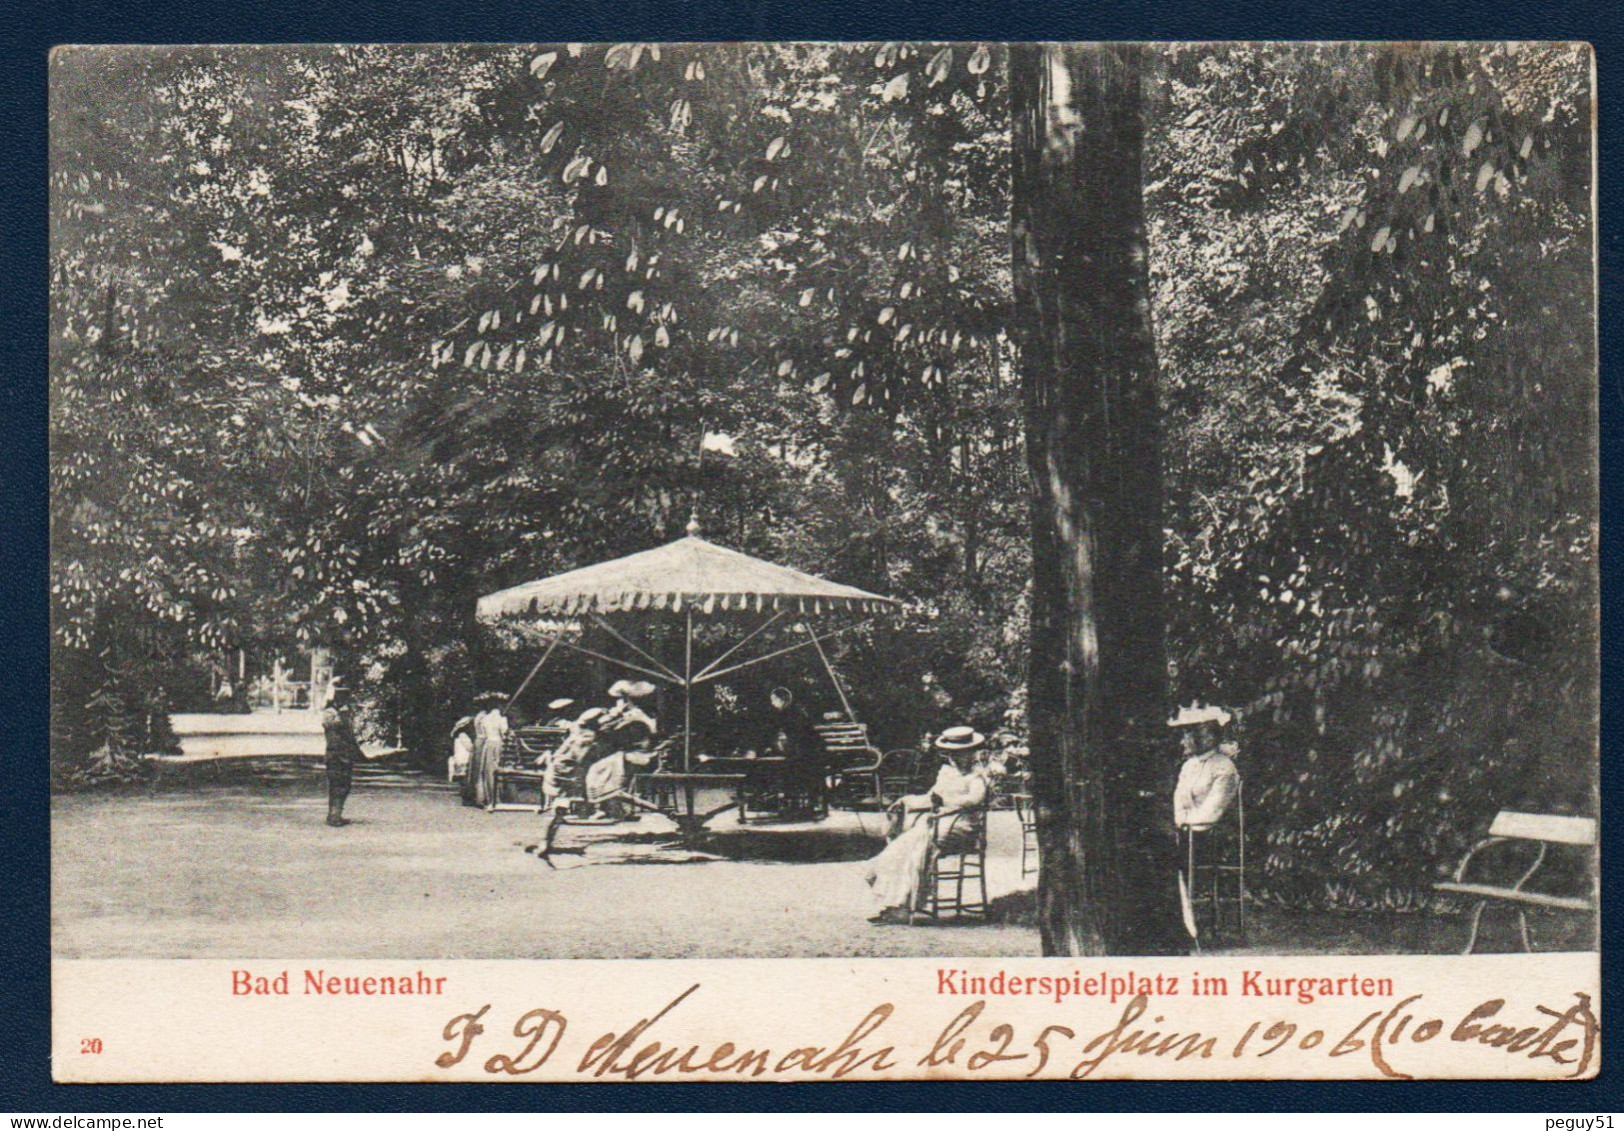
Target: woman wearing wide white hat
{"points": [[898, 874], [1209, 786], [1208, 781], [627, 713]]}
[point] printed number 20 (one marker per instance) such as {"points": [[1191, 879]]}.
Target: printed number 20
{"points": [[89, 1046]]}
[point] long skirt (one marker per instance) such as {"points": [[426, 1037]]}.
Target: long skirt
{"points": [[898, 873], [482, 771], [470, 778], [605, 778]]}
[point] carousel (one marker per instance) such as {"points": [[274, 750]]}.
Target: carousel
{"points": [[685, 615]]}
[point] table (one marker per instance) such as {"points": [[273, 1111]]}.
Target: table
{"points": [[686, 791], [739, 765], [774, 785]]}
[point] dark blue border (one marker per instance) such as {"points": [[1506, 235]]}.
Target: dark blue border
{"points": [[28, 31]]}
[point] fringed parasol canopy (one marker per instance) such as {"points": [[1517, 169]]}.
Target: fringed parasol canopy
{"points": [[689, 575]]}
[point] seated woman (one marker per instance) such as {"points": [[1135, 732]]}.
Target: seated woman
{"points": [[561, 778], [1208, 781], [462, 753], [898, 874], [608, 778]]}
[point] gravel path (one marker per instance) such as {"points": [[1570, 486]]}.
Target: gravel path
{"points": [[247, 869], [234, 861]]}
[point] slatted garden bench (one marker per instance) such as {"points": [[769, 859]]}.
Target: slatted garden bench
{"points": [[1540, 829], [521, 750], [853, 762]]}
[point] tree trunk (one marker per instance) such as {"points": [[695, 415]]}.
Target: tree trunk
{"points": [[1102, 767]]}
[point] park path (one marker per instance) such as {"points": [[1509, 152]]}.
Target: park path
{"points": [[232, 860], [256, 734], [247, 869]]}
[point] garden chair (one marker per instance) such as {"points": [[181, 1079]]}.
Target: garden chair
{"points": [[955, 881], [897, 773], [857, 765], [1215, 872], [647, 784], [1021, 798]]}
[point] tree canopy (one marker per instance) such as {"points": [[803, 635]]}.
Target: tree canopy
{"points": [[344, 337]]}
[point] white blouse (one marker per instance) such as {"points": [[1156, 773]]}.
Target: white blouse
{"points": [[1208, 785]]}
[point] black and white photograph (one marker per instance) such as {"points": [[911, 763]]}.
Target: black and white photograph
{"points": [[823, 501]]}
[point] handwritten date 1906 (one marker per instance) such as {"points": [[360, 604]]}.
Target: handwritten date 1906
{"points": [[968, 1045]]}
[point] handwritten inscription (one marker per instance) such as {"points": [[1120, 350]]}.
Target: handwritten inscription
{"points": [[973, 1041]]}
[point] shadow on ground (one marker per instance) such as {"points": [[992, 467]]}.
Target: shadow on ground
{"points": [[1274, 930], [1017, 908], [792, 846]]}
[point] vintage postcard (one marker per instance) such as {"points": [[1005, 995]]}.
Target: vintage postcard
{"points": [[824, 561]]}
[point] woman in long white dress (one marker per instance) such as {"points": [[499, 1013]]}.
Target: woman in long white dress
{"points": [[462, 754], [898, 874]]}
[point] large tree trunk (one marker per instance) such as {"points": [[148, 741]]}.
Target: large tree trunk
{"points": [[1102, 766]]}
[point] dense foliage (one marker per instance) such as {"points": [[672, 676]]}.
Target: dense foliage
{"points": [[1377, 324], [465, 323], [342, 339]]}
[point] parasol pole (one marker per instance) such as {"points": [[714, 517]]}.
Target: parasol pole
{"points": [[688, 694], [551, 644], [699, 483], [830, 668], [688, 634]]}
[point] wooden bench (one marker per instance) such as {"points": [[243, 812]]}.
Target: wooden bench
{"points": [[853, 761], [1541, 829], [521, 750], [861, 775], [846, 743]]}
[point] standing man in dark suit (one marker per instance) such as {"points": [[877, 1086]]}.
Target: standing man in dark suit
{"points": [[343, 750]]}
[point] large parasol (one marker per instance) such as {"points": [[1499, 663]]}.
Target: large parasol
{"points": [[689, 578]]}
